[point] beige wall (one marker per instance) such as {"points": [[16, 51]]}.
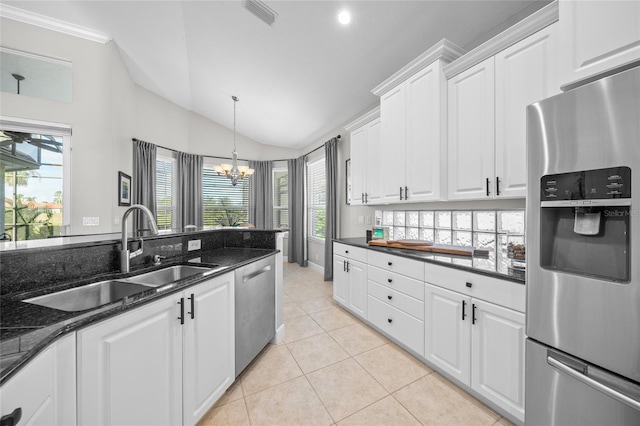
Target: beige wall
{"points": [[107, 110]]}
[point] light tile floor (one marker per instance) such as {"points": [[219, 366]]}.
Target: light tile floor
{"points": [[332, 369]]}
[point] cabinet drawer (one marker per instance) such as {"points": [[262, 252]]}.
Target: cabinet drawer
{"points": [[501, 292], [400, 265], [350, 252], [407, 304], [400, 326], [409, 286]]}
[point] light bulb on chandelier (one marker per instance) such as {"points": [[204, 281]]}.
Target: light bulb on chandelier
{"points": [[233, 171]]}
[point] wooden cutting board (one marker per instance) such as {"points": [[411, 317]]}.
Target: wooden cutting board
{"points": [[435, 248]]}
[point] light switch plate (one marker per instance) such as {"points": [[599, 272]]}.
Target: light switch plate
{"points": [[194, 245], [90, 221]]}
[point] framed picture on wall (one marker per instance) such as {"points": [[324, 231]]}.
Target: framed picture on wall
{"points": [[124, 189], [348, 180]]}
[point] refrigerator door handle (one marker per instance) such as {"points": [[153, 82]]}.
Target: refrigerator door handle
{"points": [[612, 393]]}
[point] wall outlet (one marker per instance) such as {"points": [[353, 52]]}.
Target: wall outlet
{"points": [[194, 245], [90, 221], [368, 220]]}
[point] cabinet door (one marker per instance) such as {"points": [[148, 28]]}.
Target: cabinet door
{"points": [[447, 331], [340, 278], [130, 368], [357, 278], [424, 130], [392, 116], [598, 35], [358, 165], [209, 345], [374, 163], [471, 132], [44, 390], [497, 360], [525, 73]]}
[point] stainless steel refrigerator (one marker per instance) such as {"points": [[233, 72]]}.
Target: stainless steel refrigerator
{"points": [[583, 255]]}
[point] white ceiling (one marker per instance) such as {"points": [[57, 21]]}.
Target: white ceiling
{"points": [[297, 79]]}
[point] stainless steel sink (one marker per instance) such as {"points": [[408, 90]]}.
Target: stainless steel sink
{"points": [[88, 296], [169, 275]]}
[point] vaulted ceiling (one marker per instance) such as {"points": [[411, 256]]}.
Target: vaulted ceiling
{"points": [[298, 78]]}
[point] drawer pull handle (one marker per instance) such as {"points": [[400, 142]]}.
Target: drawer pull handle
{"points": [[346, 251], [389, 297], [469, 284], [390, 280], [389, 320], [13, 418], [390, 263]]}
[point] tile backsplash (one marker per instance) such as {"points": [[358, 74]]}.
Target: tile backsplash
{"points": [[491, 230]]}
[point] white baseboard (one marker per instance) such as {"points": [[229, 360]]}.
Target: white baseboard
{"points": [[316, 267]]}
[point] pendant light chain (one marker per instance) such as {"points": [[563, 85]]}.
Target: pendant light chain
{"points": [[233, 171]]}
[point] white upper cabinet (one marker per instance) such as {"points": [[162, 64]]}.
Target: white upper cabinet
{"points": [[488, 91], [525, 73], [392, 113], [365, 158], [597, 36], [471, 132], [413, 129]]}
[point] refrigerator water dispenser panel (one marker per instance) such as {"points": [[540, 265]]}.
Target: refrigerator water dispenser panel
{"points": [[585, 218]]}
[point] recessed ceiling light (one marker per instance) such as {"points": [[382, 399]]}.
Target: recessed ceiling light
{"points": [[344, 17]]}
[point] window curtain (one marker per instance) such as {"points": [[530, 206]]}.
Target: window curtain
{"points": [[189, 191], [331, 221], [144, 178], [297, 228], [261, 194]]}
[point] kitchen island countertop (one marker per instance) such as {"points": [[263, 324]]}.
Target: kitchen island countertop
{"points": [[27, 329]]}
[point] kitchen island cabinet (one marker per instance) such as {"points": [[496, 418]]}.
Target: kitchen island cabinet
{"points": [[44, 392], [164, 363]]}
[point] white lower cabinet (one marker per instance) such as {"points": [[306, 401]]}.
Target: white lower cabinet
{"points": [[478, 343], [163, 363], [350, 278], [44, 391]]}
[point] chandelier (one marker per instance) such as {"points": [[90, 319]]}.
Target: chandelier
{"points": [[233, 171]]}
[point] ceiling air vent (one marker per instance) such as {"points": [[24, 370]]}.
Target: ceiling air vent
{"points": [[261, 10]]}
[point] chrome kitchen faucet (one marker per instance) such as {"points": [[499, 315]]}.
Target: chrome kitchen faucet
{"points": [[125, 255]]}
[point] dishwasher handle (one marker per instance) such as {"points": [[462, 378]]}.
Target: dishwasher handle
{"points": [[583, 376], [254, 274]]}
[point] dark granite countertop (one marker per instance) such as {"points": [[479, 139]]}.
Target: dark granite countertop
{"points": [[475, 264], [26, 329]]}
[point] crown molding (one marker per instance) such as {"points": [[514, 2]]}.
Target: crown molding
{"points": [[52, 24], [444, 50], [521, 30], [363, 119]]}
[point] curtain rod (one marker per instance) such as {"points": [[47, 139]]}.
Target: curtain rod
{"points": [[229, 158]]}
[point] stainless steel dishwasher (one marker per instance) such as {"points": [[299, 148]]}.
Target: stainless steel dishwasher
{"points": [[255, 309]]}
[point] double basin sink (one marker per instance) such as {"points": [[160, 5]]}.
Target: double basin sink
{"points": [[104, 292]]}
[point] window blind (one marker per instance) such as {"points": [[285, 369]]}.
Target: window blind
{"points": [[165, 192], [223, 203], [280, 199], [316, 193]]}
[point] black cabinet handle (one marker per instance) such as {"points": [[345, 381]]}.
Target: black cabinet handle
{"points": [[11, 419], [400, 193], [464, 305], [497, 185], [473, 313], [389, 263], [181, 317], [488, 192], [468, 284], [346, 251], [347, 266], [193, 307], [389, 320], [366, 198], [390, 280], [389, 297], [344, 265], [363, 198], [406, 193]]}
